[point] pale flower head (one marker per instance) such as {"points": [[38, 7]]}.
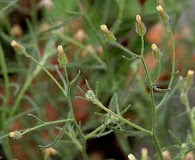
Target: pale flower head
{"points": [[109, 35], [45, 4], [48, 152], [131, 157]]}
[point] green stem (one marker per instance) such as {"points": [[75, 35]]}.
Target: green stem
{"points": [[173, 57], [7, 90], [80, 45], [4, 9], [91, 134], [116, 44], [154, 136], [46, 124], [158, 72], [20, 95], [191, 117], [86, 17], [122, 119], [30, 79], [173, 68], [72, 116], [120, 16]]}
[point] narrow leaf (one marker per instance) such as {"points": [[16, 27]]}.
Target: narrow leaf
{"points": [[114, 104], [175, 138], [76, 78], [59, 136]]}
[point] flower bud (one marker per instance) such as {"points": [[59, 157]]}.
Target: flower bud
{"points": [[190, 78], [166, 155], [183, 98], [109, 35], [90, 96], [156, 51], [131, 157], [15, 135], [163, 15], [140, 27], [62, 59], [49, 152], [18, 47], [144, 153]]}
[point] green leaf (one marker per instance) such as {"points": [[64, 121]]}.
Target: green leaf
{"points": [[125, 132], [76, 78], [175, 138], [59, 136], [114, 104], [62, 79]]}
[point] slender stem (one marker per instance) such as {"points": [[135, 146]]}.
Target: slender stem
{"points": [[142, 46], [158, 71], [120, 16], [173, 57], [20, 96], [7, 90], [46, 124], [173, 69], [72, 116], [29, 80], [4, 9], [116, 44], [86, 17], [71, 40], [154, 136], [122, 119], [91, 134], [191, 116]]}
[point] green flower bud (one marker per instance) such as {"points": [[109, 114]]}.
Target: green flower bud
{"points": [[163, 15], [15, 135], [184, 146], [62, 59], [90, 96], [156, 51], [189, 78], [183, 98], [109, 35], [18, 47], [140, 26]]}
